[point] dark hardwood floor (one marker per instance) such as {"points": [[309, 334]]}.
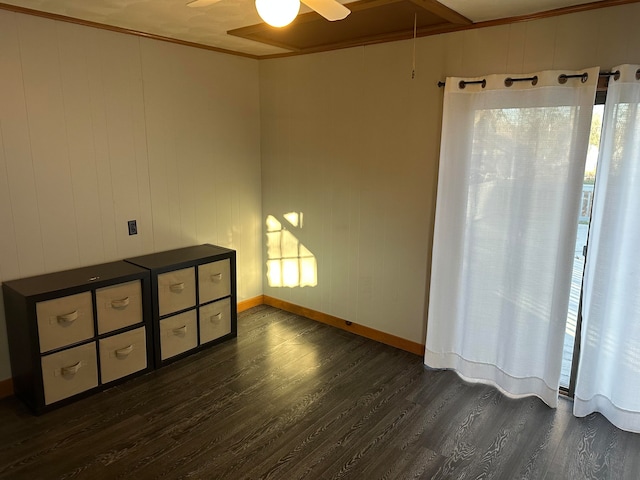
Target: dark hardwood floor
{"points": [[292, 398]]}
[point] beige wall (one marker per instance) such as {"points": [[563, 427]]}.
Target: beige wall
{"points": [[350, 140], [97, 128]]}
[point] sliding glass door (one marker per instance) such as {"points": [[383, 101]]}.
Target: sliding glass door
{"points": [[571, 345]]}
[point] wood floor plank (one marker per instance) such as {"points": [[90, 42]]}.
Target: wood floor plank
{"points": [[363, 409], [535, 445], [260, 429], [301, 409], [592, 448], [320, 427], [291, 398]]}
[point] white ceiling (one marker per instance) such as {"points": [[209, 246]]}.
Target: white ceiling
{"points": [[208, 25]]}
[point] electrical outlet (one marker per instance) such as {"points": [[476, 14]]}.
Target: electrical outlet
{"points": [[133, 228]]}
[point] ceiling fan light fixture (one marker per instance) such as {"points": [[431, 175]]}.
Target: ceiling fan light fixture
{"points": [[278, 13]]}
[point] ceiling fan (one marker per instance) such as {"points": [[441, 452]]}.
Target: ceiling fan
{"points": [[279, 13]]}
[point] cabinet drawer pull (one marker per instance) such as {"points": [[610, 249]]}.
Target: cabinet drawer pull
{"points": [[177, 287], [124, 352], [216, 317], [71, 369], [120, 303], [216, 277], [67, 318], [181, 331]]}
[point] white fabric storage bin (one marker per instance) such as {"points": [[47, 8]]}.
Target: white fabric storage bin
{"points": [[123, 354], [214, 280], [69, 372], [178, 334], [176, 290], [215, 320], [65, 320], [119, 306]]}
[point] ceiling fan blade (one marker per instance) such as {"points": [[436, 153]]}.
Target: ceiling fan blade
{"points": [[329, 9], [201, 3]]}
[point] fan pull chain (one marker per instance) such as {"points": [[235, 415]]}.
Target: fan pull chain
{"points": [[415, 27]]}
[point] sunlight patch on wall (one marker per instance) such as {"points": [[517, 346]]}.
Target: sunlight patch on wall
{"points": [[294, 218], [289, 263]]}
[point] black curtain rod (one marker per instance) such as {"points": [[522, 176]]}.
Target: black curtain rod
{"points": [[509, 81], [534, 80], [463, 84], [615, 75], [562, 78]]}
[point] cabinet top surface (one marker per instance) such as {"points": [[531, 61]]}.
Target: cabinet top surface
{"points": [[98, 275], [179, 256]]}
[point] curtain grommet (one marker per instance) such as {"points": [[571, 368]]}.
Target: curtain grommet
{"points": [[562, 78]]}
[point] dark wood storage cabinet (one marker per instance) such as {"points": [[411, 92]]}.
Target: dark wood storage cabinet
{"points": [[193, 293], [74, 332]]}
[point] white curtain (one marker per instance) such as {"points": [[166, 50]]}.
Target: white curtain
{"points": [[609, 370], [509, 185]]}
